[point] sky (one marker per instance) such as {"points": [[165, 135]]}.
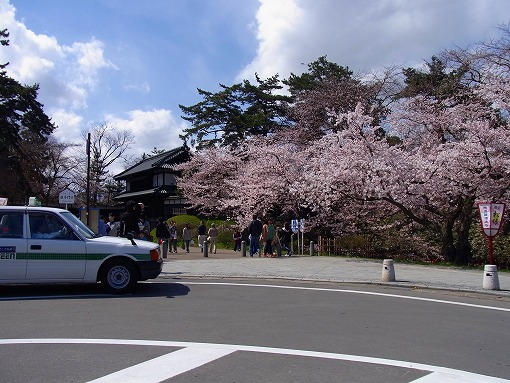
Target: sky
{"points": [[130, 63]]}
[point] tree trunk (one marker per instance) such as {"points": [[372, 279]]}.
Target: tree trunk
{"points": [[463, 247], [448, 247], [457, 249]]}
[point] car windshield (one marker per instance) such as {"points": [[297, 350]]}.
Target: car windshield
{"points": [[78, 225]]}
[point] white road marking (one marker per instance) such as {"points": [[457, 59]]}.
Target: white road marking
{"points": [[445, 378], [166, 366], [438, 373], [350, 292]]}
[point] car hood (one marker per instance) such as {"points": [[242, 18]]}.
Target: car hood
{"points": [[124, 242]]}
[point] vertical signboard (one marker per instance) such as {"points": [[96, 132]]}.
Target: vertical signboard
{"points": [[491, 217]]}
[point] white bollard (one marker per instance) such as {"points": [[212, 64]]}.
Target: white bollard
{"points": [[490, 277], [388, 271]]}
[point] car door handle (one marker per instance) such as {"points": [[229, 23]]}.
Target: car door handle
{"points": [[35, 247]]}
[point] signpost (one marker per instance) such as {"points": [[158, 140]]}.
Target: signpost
{"points": [[66, 197], [491, 215], [302, 229], [294, 225]]}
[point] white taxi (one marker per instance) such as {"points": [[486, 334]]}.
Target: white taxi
{"points": [[51, 245]]}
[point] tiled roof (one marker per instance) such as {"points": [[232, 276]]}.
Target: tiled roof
{"points": [[164, 160]]}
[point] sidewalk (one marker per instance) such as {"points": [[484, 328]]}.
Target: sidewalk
{"points": [[230, 264]]}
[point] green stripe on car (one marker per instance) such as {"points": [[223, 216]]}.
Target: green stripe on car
{"points": [[73, 257]]}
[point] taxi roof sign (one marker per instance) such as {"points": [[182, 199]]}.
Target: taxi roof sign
{"points": [[33, 201]]}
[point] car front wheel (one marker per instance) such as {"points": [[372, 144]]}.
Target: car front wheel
{"points": [[119, 277]]}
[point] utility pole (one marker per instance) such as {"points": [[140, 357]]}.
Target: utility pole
{"points": [[88, 179]]}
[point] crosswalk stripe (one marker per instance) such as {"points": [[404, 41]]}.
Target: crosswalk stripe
{"points": [[166, 366], [193, 355]]}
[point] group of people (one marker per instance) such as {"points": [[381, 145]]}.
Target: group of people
{"points": [[167, 233], [211, 236], [110, 227], [133, 220], [271, 237]]}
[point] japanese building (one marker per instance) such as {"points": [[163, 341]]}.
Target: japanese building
{"points": [[153, 183]]}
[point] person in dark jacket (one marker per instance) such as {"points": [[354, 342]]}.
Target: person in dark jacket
{"points": [[163, 232], [129, 219], [255, 231], [285, 235], [201, 230]]}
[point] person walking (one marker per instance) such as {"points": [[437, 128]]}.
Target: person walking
{"points": [[255, 231], [285, 238], [237, 240], [202, 230], [186, 236], [212, 238], [173, 237], [267, 238], [163, 233], [277, 246]]}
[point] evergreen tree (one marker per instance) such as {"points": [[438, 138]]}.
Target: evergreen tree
{"points": [[22, 121], [235, 113]]}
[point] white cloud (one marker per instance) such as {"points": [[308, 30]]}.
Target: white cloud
{"points": [[143, 88], [90, 59], [279, 23], [70, 126], [366, 34], [155, 128], [66, 74]]}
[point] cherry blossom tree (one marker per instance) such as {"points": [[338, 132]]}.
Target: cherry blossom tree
{"points": [[450, 149], [448, 159], [254, 179]]}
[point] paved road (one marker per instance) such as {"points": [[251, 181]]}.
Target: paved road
{"points": [[279, 331], [230, 264]]}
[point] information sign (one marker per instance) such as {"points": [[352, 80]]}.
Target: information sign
{"points": [[66, 197], [294, 225]]}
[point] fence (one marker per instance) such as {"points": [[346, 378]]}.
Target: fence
{"points": [[337, 246], [368, 247]]}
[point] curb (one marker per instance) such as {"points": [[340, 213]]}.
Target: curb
{"points": [[397, 284]]}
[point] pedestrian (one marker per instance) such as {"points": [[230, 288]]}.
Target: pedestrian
{"points": [[237, 239], [186, 236], [285, 235], [113, 226], [202, 230], [277, 244], [267, 237], [212, 237], [173, 237], [101, 227], [144, 226], [163, 233], [255, 231], [129, 219]]}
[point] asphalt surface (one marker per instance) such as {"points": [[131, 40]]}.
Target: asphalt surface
{"points": [[231, 265]]}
